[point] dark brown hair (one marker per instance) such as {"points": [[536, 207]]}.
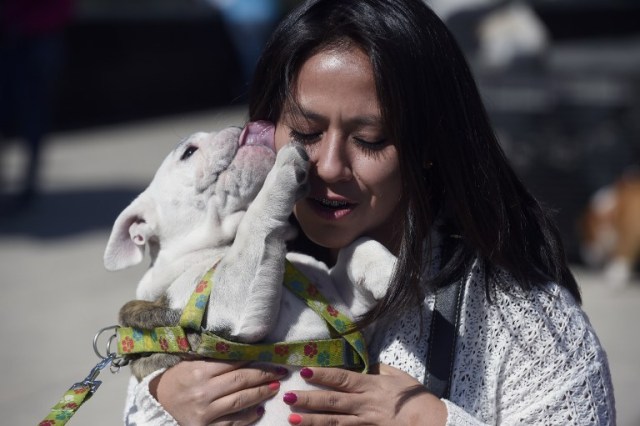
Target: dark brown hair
{"points": [[431, 108]]}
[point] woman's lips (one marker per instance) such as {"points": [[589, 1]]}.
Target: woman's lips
{"points": [[331, 209]]}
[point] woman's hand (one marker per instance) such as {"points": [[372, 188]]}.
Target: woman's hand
{"points": [[212, 392], [389, 397]]}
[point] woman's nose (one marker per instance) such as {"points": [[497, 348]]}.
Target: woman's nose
{"points": [[331, 159]]}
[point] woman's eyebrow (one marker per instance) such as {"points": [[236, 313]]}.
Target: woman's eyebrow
{"points": [[299, 112]]}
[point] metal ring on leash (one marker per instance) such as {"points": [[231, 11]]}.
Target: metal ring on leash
{"points": [[116, 361], [97, 336]]}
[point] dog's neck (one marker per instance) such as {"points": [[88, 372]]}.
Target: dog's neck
{"points": [[171, 267], [186, 257]]}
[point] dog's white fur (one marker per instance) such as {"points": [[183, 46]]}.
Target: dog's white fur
{"points": [[199, 209]]}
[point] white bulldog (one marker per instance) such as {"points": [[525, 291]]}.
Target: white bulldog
{"points": [[217, 197]]}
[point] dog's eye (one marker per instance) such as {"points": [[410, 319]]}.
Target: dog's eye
{"points": [[188, 152]]}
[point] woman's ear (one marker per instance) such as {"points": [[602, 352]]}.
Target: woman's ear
{"points": [[131, 232]]}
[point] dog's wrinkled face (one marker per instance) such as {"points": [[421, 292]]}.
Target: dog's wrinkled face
{"points": [[206, 179], [208, 173]]}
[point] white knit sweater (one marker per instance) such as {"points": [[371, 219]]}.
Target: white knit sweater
{"points": [[526, 358]]}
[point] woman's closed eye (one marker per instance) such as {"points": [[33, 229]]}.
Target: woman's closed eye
{"points": [[371, 145], [304, 138], [368, 145]]}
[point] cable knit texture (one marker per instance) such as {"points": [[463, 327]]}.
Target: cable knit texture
{"points": [[141, 408], [527, 358]]}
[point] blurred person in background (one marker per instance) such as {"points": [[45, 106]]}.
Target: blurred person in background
{"points": [[31, 59], [249, 24], [496, 35]]}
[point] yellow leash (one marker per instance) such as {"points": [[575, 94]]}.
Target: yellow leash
{"points": [[77, 395], [347, 351]]}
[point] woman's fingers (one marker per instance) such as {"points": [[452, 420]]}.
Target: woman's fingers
{"points": [[244, 378], [245, 417], [243, 406], [199, 392], [389, 397], [336, 378], [321, 401], [310, 419], [343, 398]]}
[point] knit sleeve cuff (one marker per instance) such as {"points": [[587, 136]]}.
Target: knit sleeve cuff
{"points": [[142, 409], [456, 416]]}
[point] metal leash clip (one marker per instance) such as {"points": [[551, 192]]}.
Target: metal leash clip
{"points": [[112, 356], [90, 380], [80, 392]]}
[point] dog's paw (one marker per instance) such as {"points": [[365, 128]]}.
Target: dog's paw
{"points": [[147, 315], [292, 163]]}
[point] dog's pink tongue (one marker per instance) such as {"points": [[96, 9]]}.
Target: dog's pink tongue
{"points": [[258, 133]]}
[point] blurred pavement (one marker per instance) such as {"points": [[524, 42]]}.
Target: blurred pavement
{"points": [[57, 293]]}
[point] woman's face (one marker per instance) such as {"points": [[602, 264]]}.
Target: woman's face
{"points": [[355, 174]]}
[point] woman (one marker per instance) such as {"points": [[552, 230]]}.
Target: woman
{"points": [[402, 151]]}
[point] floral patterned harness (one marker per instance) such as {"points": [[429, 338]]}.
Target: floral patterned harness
{"points": [[346, 349]]}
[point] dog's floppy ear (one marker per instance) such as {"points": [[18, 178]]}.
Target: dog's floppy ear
{"points": [[131, 232]]}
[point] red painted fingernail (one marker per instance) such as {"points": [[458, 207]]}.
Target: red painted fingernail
{"points": [[260, 410], [295, 419], [281, 371], [289, 398], [275, 385], [306, 373]]}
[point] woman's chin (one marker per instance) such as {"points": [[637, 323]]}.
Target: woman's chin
{"points": [[330, 240], [327, 228]]}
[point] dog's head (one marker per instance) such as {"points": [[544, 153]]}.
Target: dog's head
{"points": [[197, 196]]}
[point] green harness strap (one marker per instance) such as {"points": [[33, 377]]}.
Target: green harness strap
{"points": [[163, 339], [348, 350], [169, 339]]}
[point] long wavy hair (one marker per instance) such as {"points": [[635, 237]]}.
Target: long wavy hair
{"points": [[452, 165]]}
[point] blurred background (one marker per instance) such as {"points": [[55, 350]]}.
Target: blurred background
{"points": [[94, 93]]}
